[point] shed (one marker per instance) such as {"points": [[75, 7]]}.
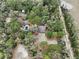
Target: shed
{"points": [[41, 29]]}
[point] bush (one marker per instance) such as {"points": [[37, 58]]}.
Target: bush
{"points": [[1, 55], [21, 35], [44, 45], [35, 20], [20, 5], [12, 3], [15, 26], [46, 57], [55, 25], [60, 34], [54, 34], [10, 43], [49, 34], [35, 16], [52, 49]]}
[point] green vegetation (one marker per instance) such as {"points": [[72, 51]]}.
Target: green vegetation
{"points": [[54, 24], [15, 26], [1, 55], [19, 5], [46, 57], [42, 13], [38, 14], [51, 51], [49, 34], [9, 43], [52, 34], [21, 35]]}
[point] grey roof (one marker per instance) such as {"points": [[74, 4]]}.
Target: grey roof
{"points": [[41, 29]]}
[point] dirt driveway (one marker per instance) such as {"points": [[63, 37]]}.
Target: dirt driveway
{"points": [[75, 11]]}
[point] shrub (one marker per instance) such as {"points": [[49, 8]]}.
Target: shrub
{"points": [[54, 34], [11, 3], [1, 55], [10, 43], [52, 49], [35, 20], [15, 26], [20, 5], [55, 25], [49, 34], [46, 57], [44, 45], [21, 35], [60, 34], [35, 16]]}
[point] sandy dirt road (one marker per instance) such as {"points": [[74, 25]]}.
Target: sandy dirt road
{"points": [[75, 11], [66, 40]]}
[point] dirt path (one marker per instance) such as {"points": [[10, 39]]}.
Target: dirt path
{"points": [[20, 52], [42, 37], [75, 11], [66, 40]]}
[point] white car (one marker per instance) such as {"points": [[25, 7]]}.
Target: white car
{"points": [[25, 28], [65, 5]]}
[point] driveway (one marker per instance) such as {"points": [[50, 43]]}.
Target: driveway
{"points": [[75, 11]]}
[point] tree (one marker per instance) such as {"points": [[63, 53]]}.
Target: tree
{"points": [[55, 25], [15, 26], [2, 24], [2, 6], [21, 35], [54, 48], [20, 5], [49, 34], [46, 57], [9, 43], [60, 34], [52, 6], [35, 19], [58, 26], [1, 55], [11, 3], [44, 45]]}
